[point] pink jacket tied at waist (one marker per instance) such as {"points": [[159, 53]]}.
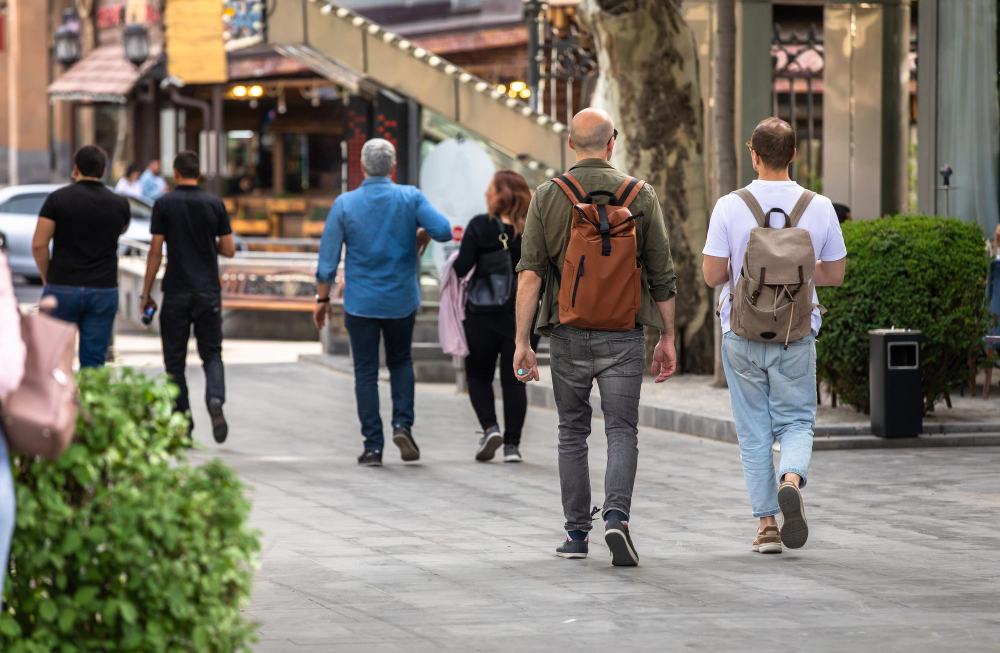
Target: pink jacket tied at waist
{"points": [[451, 333], [12, 350]]}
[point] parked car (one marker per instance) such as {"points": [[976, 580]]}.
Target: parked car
{"points": [[19, 207]]}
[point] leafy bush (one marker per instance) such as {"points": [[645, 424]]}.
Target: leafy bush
{"points": [[122, 546], [911, 272]]}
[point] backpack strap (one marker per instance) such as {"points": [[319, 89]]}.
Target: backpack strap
{"points": [[572, 188], [753, 205], [605, 228], [800, 207], [628, 191]]}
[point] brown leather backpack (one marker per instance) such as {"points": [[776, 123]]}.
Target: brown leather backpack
{"points": [[601, 278], [39, 417]]}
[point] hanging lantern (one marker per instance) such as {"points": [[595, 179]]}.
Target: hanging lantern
{"points": [[136, 39], [68, 48]]}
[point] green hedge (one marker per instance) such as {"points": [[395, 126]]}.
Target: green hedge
{"points": [[912, 272], [120, 545]]}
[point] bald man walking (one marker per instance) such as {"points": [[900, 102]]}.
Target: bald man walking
{"points": [[611, 356]]}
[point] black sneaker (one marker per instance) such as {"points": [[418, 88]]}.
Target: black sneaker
{"points": [[511, 453], [219, 427], [573, 549], [189, 442], [402, 438], [371, 458], [489, 443], [794, 529], [620, 544]]}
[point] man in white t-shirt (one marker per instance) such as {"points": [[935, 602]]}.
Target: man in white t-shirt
{"points": [[772, 386]]}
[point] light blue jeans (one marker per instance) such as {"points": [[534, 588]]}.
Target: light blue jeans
{"points": [[773, 392], [7, 507]]}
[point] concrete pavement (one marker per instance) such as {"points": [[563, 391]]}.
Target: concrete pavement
{"points": [[449, 554]]}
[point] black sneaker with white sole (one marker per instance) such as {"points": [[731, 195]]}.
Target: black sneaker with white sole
{"points": [[512, 453], [794, 529], [370, 458], [489, 443], [620, 544], [403, 438], [573, 549], [220, 429]]}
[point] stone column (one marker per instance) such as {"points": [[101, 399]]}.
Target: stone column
{"points": [[927, 70], [865, 106], [754, 75], [958, 109], [27, 100], [4, 118]]}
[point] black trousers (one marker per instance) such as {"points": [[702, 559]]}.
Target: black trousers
{"points": [[491, 335], [203, 311]]}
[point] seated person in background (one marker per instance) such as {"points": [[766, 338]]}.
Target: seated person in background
{"points": [[843, 212]]}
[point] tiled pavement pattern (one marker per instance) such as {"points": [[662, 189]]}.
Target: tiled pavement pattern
{"points": [[453, 555]]}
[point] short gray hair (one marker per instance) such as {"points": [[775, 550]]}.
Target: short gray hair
{"points": [[377, 157]]}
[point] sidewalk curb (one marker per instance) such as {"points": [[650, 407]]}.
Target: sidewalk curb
{"points": [[831, 437]]}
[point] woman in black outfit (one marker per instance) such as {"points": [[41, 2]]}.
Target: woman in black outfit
{"points": [[490, 332]]}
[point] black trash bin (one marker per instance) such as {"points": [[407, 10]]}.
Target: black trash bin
{"points": [[896, 392]]}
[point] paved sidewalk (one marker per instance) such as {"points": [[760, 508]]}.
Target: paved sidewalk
{"points": [[690, 404], [453, 555]]}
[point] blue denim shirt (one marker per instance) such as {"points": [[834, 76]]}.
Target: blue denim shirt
{"points": [[153, 187], [378, 223]]}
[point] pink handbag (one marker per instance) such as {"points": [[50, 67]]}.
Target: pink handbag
{"points": [[39, 418]]}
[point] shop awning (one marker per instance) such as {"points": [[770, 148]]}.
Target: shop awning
{"points": [[103, 75], [322, 66]]}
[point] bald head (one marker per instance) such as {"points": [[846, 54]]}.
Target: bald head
{"points": [[590, 133]]}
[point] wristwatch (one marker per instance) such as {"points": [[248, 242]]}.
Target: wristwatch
{"points": [[322, 300]]}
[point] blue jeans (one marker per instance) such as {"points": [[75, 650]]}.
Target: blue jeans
{"points": [[773, 392], [93, 311], [365, 333], [7, 507]]}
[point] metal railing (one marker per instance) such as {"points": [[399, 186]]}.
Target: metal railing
{"points": [[797, 97], [245, 250], [562, 61]]}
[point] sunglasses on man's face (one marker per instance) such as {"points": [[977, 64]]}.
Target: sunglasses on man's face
{"points": [[614, 136], [749, 145]]}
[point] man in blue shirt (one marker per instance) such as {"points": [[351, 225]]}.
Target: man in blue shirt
{"points": [[382, 225], [151, 183]]}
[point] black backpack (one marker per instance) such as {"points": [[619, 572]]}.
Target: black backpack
{"points": [[492, 286]]}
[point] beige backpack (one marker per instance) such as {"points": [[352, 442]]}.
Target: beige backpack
{"points": [[772, 301]]}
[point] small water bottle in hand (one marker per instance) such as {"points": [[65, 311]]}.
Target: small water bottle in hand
{"points": [[147, 314]]}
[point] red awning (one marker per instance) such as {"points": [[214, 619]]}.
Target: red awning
{"points": [[103, 75]]}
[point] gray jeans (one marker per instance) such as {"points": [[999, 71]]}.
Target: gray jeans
{"points": [[616, 361]]}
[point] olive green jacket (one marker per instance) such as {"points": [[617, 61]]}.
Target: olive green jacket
{"points": [[546, 235]]}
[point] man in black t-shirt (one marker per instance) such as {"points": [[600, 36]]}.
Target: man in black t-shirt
{"points": [[196, 229], [83, 222]]}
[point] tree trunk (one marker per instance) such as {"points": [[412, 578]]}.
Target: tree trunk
{"points": [[725, 130], [649, 84]]}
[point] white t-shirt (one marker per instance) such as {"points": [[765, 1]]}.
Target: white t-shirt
{"points": [[128, 188], [729, 231]]}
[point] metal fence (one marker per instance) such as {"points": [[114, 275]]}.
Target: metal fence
{"points": [[562, 63], [797, 97]]}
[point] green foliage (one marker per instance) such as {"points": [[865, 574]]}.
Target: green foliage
{"points": [[120, 545], [911, 272]]}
